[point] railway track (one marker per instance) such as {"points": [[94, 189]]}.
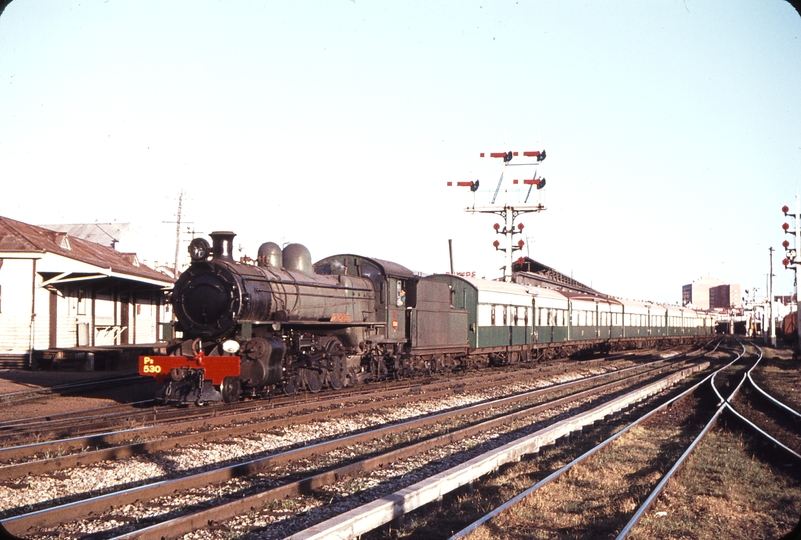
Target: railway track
{"points": [[169, 429], [471, 473], [622, 476], [54, 426], [331, 458]]}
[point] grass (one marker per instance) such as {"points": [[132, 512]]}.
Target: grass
{"points": [[729, 488]]}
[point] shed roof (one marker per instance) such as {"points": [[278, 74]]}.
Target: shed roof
{"points": [[105, 234], [21, 238], [531, 271]]}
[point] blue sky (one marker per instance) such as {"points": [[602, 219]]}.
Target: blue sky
{"points": [[673, 128]]}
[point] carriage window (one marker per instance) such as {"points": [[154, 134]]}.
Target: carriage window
{"points": [[492, 316]]}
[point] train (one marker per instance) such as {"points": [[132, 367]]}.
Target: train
{"points": [[282, 324]]}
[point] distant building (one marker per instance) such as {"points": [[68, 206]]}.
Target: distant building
{"points": [[697, 293], [725, 296], [58, 291]]}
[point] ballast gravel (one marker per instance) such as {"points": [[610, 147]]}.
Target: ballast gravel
{"points": [[28, 494]]}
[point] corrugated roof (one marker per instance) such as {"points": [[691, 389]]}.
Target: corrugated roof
{"points": [[105, 234], [536, 270], [19, 237]]}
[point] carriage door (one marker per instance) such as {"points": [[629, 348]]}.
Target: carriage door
{"points": [[396, 309], [509, 317]]}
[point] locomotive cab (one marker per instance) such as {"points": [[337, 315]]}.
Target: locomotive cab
{"points": [[390, 281]]}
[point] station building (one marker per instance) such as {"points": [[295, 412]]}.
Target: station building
{"points": [[129, 238], [62, 296]]}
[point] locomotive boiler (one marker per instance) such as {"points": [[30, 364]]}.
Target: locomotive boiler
{"points": [[247, 327]]}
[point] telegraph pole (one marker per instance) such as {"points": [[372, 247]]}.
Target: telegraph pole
{"points": [[178, 232], [770, 300], [178, 221]]}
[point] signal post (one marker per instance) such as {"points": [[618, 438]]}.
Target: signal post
{"points": [[509, 212], [792, 260]]}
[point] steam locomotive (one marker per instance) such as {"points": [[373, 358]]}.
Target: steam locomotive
{"points": [[284, 324]]}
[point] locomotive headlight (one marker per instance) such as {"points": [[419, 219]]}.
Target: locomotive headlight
{"points": [[199, 249], [230, 346]]}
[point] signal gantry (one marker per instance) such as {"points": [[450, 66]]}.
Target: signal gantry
{"points": [[509, 212]]}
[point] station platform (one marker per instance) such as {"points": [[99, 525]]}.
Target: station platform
{"points": [[85, 359]]}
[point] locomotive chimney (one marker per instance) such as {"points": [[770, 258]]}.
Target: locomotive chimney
{"points": [[222, 245]]}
